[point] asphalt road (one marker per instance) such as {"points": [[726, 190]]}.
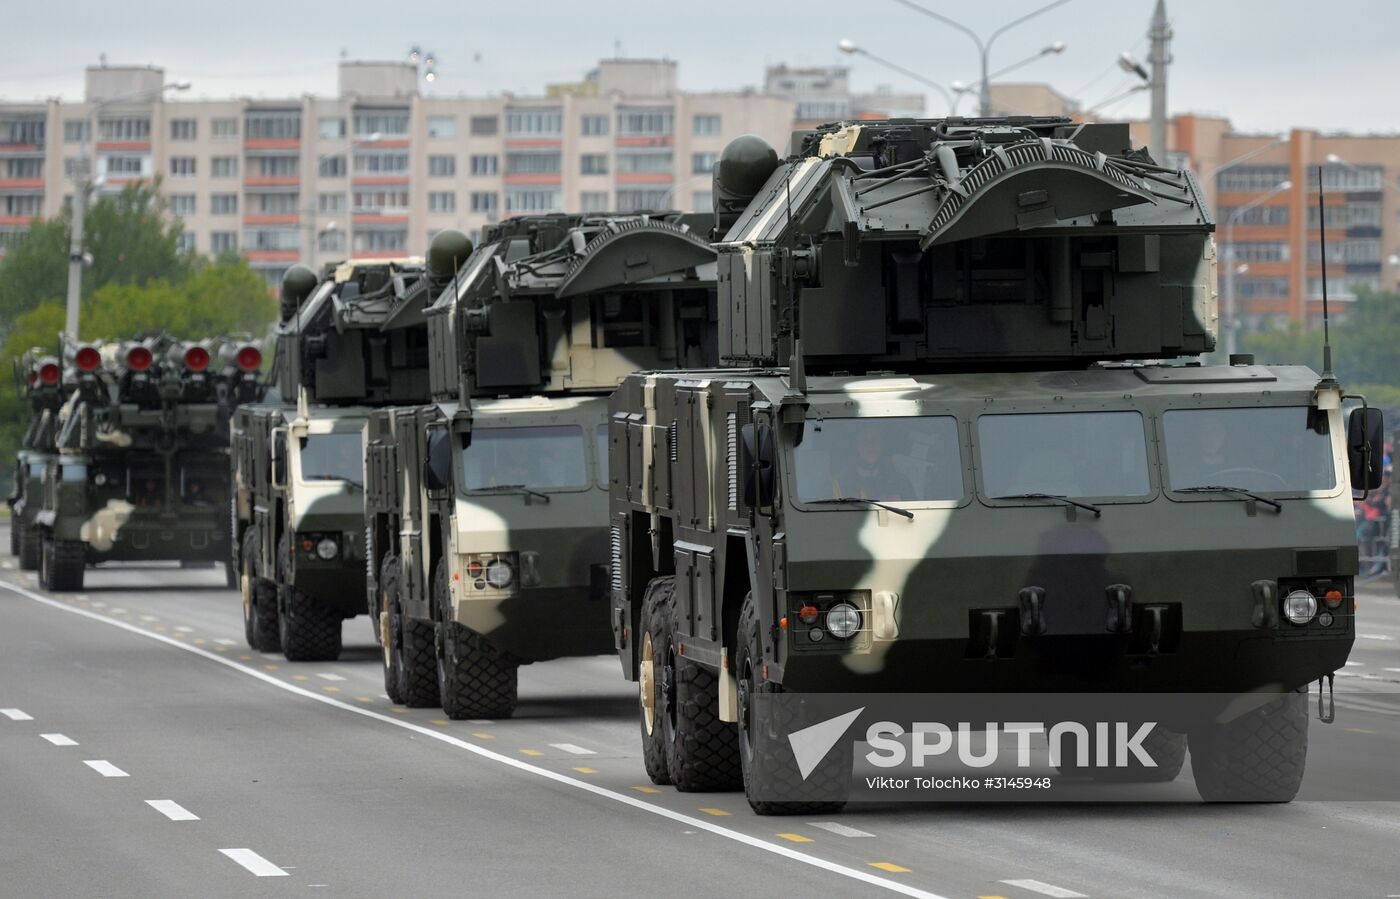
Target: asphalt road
{"points": [[145, 751]]}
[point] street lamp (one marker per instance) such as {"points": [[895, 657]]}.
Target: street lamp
{"points": [[81, 186], [848, 46], [984, 45], [1228, 318]]}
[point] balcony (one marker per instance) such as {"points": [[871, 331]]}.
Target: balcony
{"points": [[272, 143]]}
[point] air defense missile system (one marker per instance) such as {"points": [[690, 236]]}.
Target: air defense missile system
{"points": [[346, 342], [488, 507], [38, 379], [953, 448], [139, 470]]}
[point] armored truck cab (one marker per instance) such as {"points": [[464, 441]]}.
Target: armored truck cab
{"points": [[956, 484], [346, 342], [141, 469], [488, 521], [38, 379]]}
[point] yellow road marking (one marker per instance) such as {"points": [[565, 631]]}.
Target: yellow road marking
{"points": [[795, 837], [889, 866], [991, 897], [1359, 730], [245, 658], [298, 677], [586, 770], [331, 689], [531, 752], [646, 789], [363, 699], [200, 641], [398, 711], [717, 812], [271, 667], [218, 648], [440, 722], [481, 736]]}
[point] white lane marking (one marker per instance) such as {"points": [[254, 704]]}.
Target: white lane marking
{"points": [[119, 611], [96, 603], [1386, 637], [1392, 670], [718, 830], [59, 739], [172, 810], [15, 715], [1045, 889], [184, 629], [256, 864], [1356, 664], [840, 830], [330, 677], [149, 618], [105, 768], [225, 641], [480, 721], [571, 748]]}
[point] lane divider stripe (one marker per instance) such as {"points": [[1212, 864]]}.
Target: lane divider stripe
{"points": [[105, 768], [256, 864], [172, 810], [1045, 889], [15, 715], [59, 739]]}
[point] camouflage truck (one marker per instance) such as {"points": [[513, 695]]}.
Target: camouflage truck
{"points": [[488, 507], [38, 378], [141, 468], [947, 455], [347, 342]]}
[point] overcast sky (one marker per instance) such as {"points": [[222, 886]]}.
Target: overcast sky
{"points": [[1266, 65]]}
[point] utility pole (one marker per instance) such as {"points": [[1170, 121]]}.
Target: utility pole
{"points": [[1160, 57]]}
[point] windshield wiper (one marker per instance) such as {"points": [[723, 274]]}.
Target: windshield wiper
{"points": [[1238, 491], [513, 488], [1055, 497], [860, 499]]}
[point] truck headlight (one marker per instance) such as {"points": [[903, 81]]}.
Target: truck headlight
{"points": [[499, 574], [1299, 606], [843, 620], [327, 548]]}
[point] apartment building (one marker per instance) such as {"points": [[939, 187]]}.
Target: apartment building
{"points": [[378, 169]]}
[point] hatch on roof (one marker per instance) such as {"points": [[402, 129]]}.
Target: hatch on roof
{"points": [[1206, 374]]}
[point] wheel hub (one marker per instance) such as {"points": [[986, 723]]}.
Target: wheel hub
{"points": [[646, 685]]}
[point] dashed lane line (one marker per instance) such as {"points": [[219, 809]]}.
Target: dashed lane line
{"points": [[256, 864], [331, 677], [796, 838], [172, 810], [184, 629], [841, 830], [105, 768], [1045, 889], [572, 749], [1383, 637], [890, 866], [59, 739], [651, 808], [15, 715], [716, 812], [225, 641]]}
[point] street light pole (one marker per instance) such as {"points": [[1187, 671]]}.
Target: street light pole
{"points": [[80, 190], [1228, 319], [847, 46], [1160, 57]]}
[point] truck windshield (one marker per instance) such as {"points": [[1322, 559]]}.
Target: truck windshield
{"points": [[540, 457], [1265, 450], [882, 459], [332, 457], [1063, 454]]}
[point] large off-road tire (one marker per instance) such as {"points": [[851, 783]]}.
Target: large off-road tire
{"points": [[411, 655], [389, 626], [1167, 749], [31, 545], [259, 600], [309, 631], [62, 565], [376, 596], [768, 766], [230, 576], [1258, 757], [475, 679], [702, 752], [15, 530], [655, 693]]}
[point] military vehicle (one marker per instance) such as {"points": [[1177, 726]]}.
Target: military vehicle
{"points": [[492, 553], [38, 377], [140, 471], [948, 455], [346, 342]]}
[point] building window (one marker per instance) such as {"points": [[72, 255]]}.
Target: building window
{"points": [[1259, 215], [381, 240], [533, 162], [647, 161], [1259, 251], [594, 125], [703, 163], [382, 162], [593, 164], [442, 201], [224, 166], [701, 201], [528, 200], [706, 125], [485, 125], [184, 242], [21, 169], [182, 204], [277, 166], [272, 126], [331, 166], [534, 122], [272, 239], [442, 166], [385, 121], [331, 204], [21, 205], [594, 201], [274, 204], [1348, 177], [75, 131], [183, 129], [442, 126], [332, 241], [484, 165], [1354, 250], [1261, 288], [23, 130], [127, 128], [181, 167], [639, 200], [644, 122], [223, 242], [223, 204], [484, 202], [331, 127], [125, 166], [1252, 178], [224, 129], [380, 201]]}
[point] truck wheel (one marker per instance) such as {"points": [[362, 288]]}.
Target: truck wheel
{"points": [[64, 563], [31, 543], [475, 680], [230, 576], [1258, 757], [310, 632], [375, 597], [259, 601], [702, 752], [1167, 749], [769, 768], [655, 695], [389, 626], [15, 530], [418, 682]]}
